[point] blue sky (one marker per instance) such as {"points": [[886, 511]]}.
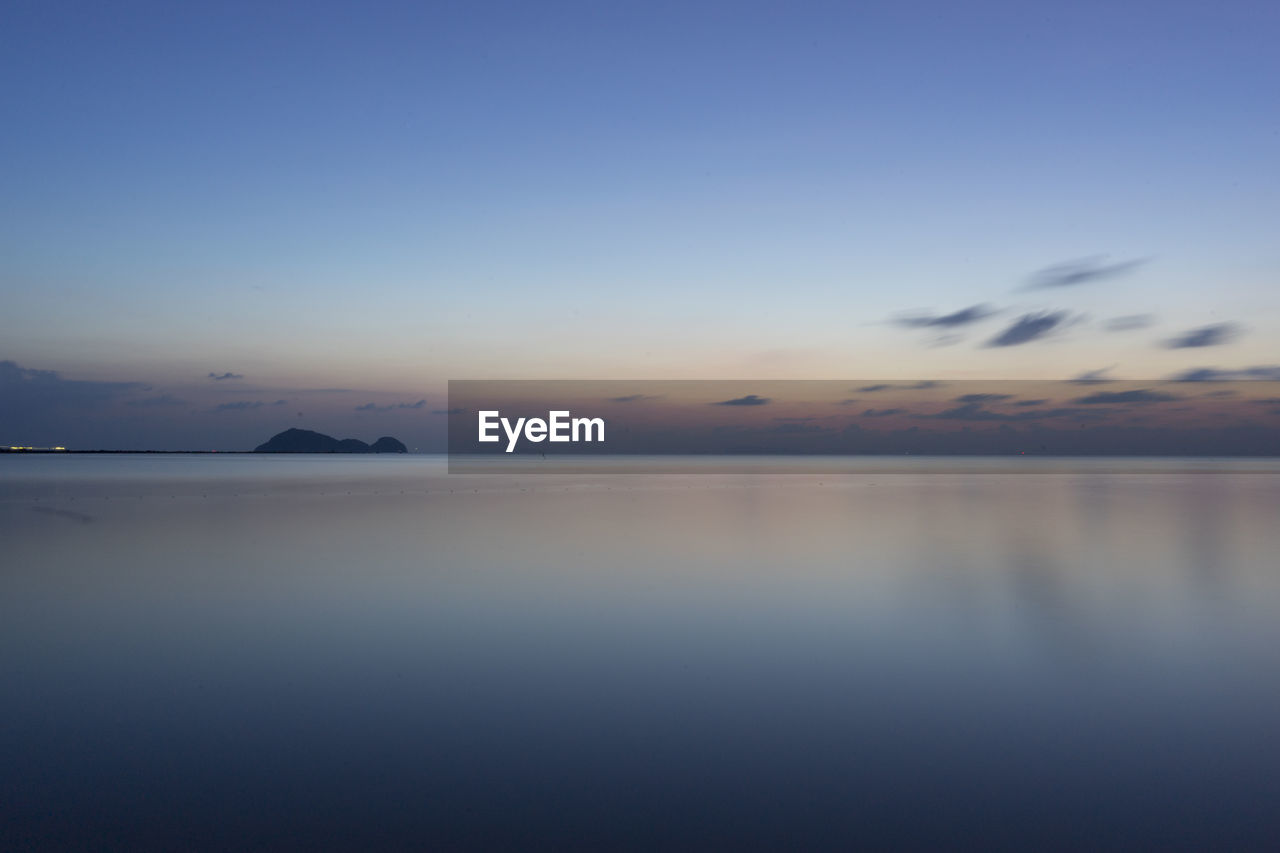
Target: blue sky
{"points": [[379, 197]]}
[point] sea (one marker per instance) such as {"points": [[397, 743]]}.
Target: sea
{"points": [[239, 652]]}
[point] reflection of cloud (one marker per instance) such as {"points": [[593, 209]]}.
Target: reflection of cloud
{"points": [[1029, 327], [1129, 323], [797, 429], [881, 413], [975, 412], [1205, 336], [1141, 395], [982, 398], [963, 317], [160, 400], [1270, 372], [220, 377], [245, 405], [923, 385], [749, 400], [1082, 271], [633, 398]]}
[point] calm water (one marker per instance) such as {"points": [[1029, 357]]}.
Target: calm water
{"points": [[241, 653]]}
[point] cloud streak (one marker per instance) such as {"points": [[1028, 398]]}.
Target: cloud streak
{"points": [[1083, 271], [963, 317], [1029, 327], [1140, 395], [1265, 372], [374, 407], [246, 405], [1129, 323], [1205, 336]]}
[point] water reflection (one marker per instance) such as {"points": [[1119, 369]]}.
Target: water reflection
{"points": [[347, 652]]}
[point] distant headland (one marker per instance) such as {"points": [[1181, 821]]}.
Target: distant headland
{"points": [[307, 441]]}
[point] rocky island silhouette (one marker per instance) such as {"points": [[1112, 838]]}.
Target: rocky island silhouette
{"points": [[308, 441]]}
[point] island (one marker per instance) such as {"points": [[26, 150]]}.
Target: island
{"points": [[307, 441]]}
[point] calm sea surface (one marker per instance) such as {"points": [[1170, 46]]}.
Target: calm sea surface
{"points": [[238, 652]]}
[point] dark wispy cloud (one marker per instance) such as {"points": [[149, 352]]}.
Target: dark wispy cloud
{"points": [[956, 319], [1031, 402], [159, 400], [982, 398], [374, 407], [633, 398], [28, 388], [221, 377], [1268, 372], [1093, 377], [1140, 395], [246, 405], [1030, 327], [923, 385], [1129, 323], [881, 413], [976, 412], [453, 411], [798, 429], [749, 400], [1083, 271], [1205, 336]]}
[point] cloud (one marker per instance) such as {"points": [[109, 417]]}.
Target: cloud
{"points": [[1093, 377], [982, 398], [633, 398], [881, 413], [28, 388], [1083, 271], [1266, 372], [797, 429], [1129, 322], [373, 407], [1205, 336], [749, 400], [246, 405], [1141, 395], [963, 317], [923, 385], [453, 411], [220, 377], [160, 400], [975, 412], [1029, 327], [1031, 402]]}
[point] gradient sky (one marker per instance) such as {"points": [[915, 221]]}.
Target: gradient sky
{"points": [[378, 197]]}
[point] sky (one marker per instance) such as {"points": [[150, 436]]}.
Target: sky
{"points": [[221, 220]]}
